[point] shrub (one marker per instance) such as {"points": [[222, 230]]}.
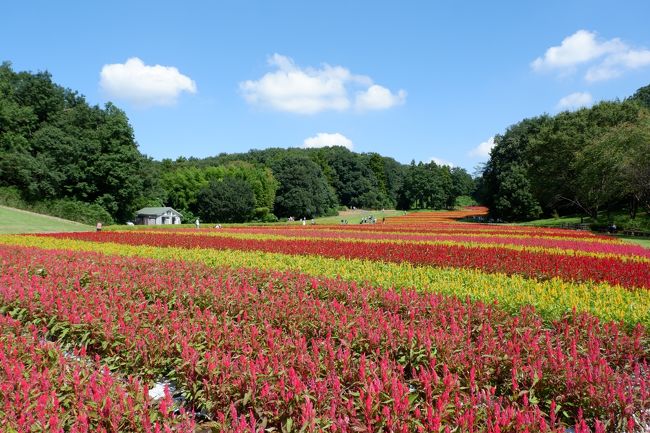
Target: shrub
{"points": [[263, 214], [10, 196], [87, 213]]}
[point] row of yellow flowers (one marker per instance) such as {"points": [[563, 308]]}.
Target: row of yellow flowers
{"points": [[505, 245], [552, 298]]}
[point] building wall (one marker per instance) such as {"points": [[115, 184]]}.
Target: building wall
{"points": [[150, 220]]}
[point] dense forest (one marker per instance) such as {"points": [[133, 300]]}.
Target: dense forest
{"points": [[62, 156], [316, 182], [591, 162], [59, 153]]}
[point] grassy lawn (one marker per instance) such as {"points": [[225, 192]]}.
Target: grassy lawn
{"points": [[621, 218], [554, 222], [19, 221], [639, 241], [355, 216]]}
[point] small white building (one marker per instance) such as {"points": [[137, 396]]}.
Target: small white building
{"points": [[157, 215]]}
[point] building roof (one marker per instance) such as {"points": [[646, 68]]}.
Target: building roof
{"points": [[156, 211]]}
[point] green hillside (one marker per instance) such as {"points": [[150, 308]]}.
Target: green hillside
{"points": [[20, 221]]}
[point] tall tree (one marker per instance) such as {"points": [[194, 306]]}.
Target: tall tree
{"points": [[183, 182], [572, 162], [642, 96], [303, 190], [54, 146], [230, 200]]}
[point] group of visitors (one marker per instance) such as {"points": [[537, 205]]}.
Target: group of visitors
{"points": [[303, 220], [370, 220]]}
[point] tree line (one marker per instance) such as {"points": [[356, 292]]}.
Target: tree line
{"points": [[63, 156], [590, 161], [311, 182]]}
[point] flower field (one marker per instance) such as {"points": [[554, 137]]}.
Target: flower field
{"points": [[420, 324]]}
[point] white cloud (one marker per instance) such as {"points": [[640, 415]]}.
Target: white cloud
{"points": [[580, 47], [143, 85], [378, 98], [608, 58], [441, 161], [483, 149], [311, 90], [323, 139], [615, 65], [575, 100]]}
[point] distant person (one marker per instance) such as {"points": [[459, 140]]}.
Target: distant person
{"points": [[98, 227], [197, 223], [304, 221]]}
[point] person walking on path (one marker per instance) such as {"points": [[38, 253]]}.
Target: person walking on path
{"points": [[197, 223]]}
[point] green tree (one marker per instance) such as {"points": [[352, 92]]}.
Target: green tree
{"points": [[183, 180], [54, 146], [571, 162], [303, 190], [515, 201], [230, 200], [627, 148], [426, 186], [462, 184], [182, 187], [258, 177], [642, 96], [507, 170]]}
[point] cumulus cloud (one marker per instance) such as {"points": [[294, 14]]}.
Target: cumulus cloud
{"points": [[324, 139], [483, 149], [144, 85], [440, 161], [580, 47], [379, 98], [607, 58], [615, 65], [309, 90], [575, 100]]}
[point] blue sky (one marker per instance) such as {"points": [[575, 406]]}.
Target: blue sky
{"points": [[410, 80]]}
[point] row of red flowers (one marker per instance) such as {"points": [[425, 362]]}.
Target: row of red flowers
{"points": [[533, 264], [258, 350]]}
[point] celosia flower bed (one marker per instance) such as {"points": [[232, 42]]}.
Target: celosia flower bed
{"points": [[436, 228], [43, 389], [628, 274], [586, 247], [259, 350], [552, 298], [419, 324]]}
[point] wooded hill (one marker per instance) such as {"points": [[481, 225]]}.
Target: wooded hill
{"points": [[581, 162], [62, 156]]}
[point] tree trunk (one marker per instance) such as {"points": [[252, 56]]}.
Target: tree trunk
{"points": [[634, 206]]}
